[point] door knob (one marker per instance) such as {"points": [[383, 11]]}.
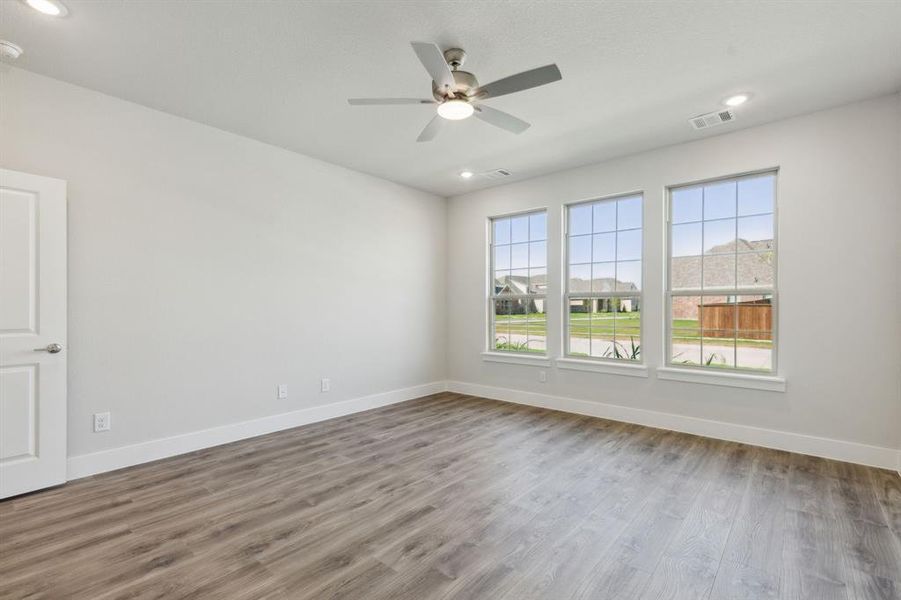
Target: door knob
{"points": [[51, 348]]}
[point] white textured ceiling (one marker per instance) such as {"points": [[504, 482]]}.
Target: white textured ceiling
{"points": [[633, 72]]}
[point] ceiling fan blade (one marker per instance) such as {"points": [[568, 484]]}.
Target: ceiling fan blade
{"points": [[379, 101], [431, 130], [432, 58], [499, 118], [520, 81]]}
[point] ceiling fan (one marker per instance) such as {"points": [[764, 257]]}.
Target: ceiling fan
{"points": [[458, 95]]}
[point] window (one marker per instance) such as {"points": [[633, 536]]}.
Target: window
{"points": [[721, 284], [518, 283], [603, 283]]}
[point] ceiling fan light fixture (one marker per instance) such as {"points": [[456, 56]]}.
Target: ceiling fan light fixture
{"points": [[455, 110]]}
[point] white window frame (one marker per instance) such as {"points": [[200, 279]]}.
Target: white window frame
{"points": [[512, 356], [579, 362], [730, 376]]}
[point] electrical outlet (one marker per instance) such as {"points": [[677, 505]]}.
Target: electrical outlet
{"points": [[542, 376], [326, 385], [282, 391], [102, 422]]}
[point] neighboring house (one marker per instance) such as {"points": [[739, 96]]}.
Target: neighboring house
{"points": [[604, 284], [520, 285], [751, 266]]}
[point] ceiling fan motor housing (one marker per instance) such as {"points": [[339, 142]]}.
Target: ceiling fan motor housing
{"points": [[466, 84]]}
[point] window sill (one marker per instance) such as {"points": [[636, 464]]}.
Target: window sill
{"points": [[769, 383], [598, 366], [517, 359]]}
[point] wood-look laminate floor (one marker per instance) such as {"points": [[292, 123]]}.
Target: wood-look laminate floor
{"points": [[452, 496]]}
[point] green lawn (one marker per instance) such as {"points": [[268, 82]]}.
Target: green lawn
{"points": [[601, 325]]}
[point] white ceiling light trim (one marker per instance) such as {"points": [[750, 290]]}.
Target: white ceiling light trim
{"points": [[737, 99], [9, 51], [53, 8]]}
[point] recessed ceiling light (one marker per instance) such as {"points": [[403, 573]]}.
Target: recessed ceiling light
{"points": [[736, 100], [54, 8], [466, 174], [455, 110], [9, 51]]}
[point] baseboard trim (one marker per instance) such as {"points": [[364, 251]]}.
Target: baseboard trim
{"points": [[873, 456], [86, 465], [135, 454]]}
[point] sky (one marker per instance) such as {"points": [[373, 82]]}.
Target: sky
{"points": [[605, 237]]}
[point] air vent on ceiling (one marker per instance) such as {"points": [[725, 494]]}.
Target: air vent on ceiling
{"points": [[712, 119], [496, 174]]}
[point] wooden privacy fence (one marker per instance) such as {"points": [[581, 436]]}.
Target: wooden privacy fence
{"points": [[755, 319]]}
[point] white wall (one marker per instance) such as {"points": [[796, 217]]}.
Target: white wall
{"points": [[206, 268], [839, 205]]}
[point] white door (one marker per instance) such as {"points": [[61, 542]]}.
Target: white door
{"points": [[32, 332]]}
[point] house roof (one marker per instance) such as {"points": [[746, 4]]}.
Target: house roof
{"points": [[519, 284], [741, 245], [601, 284], [754, 264]]}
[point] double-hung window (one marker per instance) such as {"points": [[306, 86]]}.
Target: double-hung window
{"points": [[603, 282], [518, 283], [721, 281]]}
